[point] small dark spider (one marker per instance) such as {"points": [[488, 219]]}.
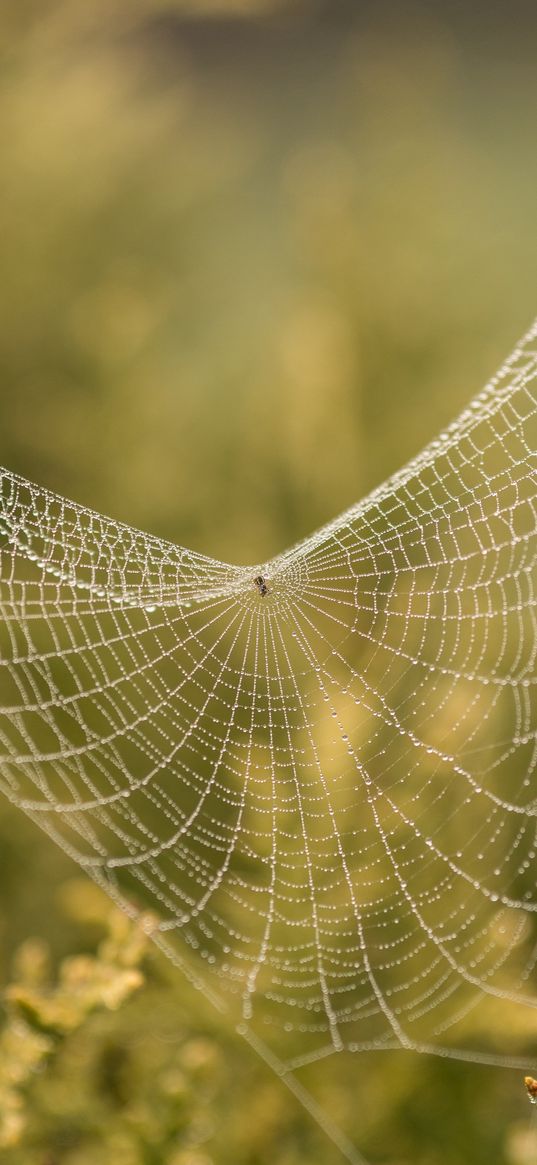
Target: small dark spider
{"points": [[261, 585]]}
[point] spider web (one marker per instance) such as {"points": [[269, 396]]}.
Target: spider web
{"points": [[326, 793]]}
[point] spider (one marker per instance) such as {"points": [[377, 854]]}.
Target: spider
{"points": [[531, 1088], [261, 585]]}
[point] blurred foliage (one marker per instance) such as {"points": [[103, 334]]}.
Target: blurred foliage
{"points": [[251, 265], [71, 1085], [254, 254], [41, 1015], [93, 1069]]}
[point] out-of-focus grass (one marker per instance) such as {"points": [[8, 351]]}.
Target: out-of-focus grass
{"points": [[253, 256], [250, 266]]}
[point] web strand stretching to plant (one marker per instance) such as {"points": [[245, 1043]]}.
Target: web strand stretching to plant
{"points": [[318, 772]]}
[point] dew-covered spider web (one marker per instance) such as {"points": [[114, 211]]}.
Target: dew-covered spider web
{"points": [[319, 773]]}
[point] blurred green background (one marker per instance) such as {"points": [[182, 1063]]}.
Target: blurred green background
{"points": [[254, 255]]}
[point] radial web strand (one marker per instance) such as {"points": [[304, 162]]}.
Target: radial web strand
{"points": [[320, 772]]}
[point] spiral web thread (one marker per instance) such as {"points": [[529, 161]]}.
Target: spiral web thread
{"points": [[324, 787]]}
